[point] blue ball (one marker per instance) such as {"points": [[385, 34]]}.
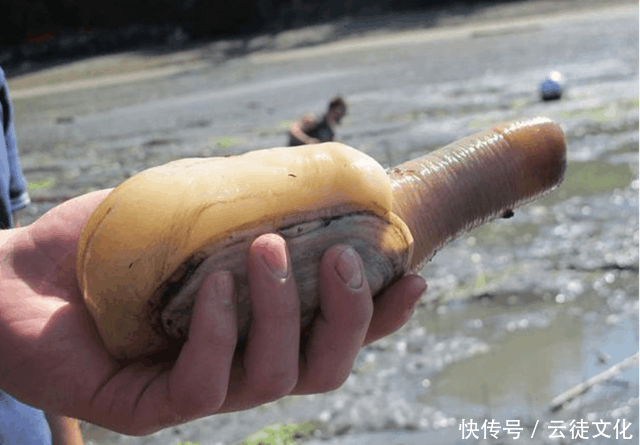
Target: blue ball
{"points": [[552, 86]]}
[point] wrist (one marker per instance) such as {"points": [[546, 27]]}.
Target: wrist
{"points": [[64, 430], [10, 242], [5, 239]]}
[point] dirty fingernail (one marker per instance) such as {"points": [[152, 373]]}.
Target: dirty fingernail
{"points": [[349, 268]]}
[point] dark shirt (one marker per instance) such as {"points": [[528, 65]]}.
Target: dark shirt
{"points": [[321, 130]]}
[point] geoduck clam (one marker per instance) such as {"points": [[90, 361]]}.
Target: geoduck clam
{"points": [[146, 249]]}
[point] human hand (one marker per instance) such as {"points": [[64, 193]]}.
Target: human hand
{"points": [[54, 359]]}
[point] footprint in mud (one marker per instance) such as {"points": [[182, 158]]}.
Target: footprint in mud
{"points": [[197, 123], [64, 120], [159, 142]]}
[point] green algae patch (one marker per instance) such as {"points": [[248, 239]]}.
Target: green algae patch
{"points": [[592, 178], [604, 113], [39, 185], [285, 124], [279, 434], [223, 142]]}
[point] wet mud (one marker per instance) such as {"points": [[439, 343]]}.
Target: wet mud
{"points": [[517, 311]]}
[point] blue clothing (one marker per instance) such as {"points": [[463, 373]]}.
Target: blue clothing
{"points": [[13, 186], [21, 424]]}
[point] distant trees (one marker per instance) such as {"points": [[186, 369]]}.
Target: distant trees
{"points": [[33, 19]]}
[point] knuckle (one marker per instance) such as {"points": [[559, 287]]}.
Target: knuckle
{"points": [[274, 384], [198, 407], [335, 381], [193, 404], [283, 310], [221, 342], [359, 318], [329, 381], [131, 429]]}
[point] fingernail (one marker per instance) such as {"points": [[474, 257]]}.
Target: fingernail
{"points": [[421, 284], [412, 309], [276, 264], [349, 268]]}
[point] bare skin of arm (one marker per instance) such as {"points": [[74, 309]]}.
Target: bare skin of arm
{"points": [[299, 130], [64, 430]]}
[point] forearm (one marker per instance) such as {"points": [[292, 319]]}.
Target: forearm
{"points": [[6, 237], [64, 430], [296, 131], [10, 241]]}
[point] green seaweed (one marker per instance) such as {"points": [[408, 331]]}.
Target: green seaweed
{"points": [[39, 185], [278, 434]]}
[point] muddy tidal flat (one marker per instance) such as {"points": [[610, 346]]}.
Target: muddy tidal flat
{"points": [[517, 312]]}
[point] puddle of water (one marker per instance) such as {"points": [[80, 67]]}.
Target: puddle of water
{"points": [[606, 112], [519, 371], [513, 233], [590, 178], [538, 349]]}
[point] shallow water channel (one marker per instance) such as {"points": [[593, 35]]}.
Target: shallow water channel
{"points": [[517, 311]]}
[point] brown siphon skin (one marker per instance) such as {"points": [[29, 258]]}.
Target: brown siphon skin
{"points": [[469, 182]]}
